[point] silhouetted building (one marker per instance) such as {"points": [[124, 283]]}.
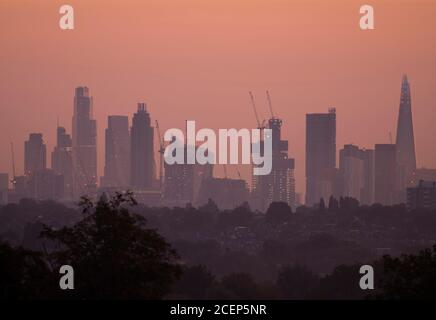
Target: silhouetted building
{"points": [[357, 169], [320, 151], [62, 160], [368, 194], [385, 174], [84, 145], [21, 189], [46, 184], [226, 193], [279, 185], [183, 182], [330, 183], [142, 174], [117, 153], [422, 196], [406, 157], [34, 154], [4, 188]]}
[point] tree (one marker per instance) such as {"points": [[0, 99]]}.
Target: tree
{"points": [[24, 274], [241, 286], [278, 212], [296, 282], [113, 255], [322, 205], [333, 204], [195, 282], [409, 276]]}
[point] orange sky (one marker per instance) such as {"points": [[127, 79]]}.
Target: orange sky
{"points": [[197, 59]]}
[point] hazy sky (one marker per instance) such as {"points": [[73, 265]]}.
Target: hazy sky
{"points": [[197, 59]]}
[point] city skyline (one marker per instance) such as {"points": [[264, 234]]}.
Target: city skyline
{"points": [[130, 160], [181, 64]]}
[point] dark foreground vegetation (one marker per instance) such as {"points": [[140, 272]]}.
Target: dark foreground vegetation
{"points": [[121, 250]]}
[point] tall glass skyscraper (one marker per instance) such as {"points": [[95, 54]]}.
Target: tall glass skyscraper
{"points": [[84, 144], [117, 153], [320, 155], [406, 157], [142, 175]]}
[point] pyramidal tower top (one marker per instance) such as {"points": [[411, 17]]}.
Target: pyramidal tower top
{"points": [[405, 142]]}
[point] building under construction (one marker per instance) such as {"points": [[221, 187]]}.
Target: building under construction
{"points": [[279, 185]]}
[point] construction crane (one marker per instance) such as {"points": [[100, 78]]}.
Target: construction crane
{"points": [[260, 125], [13, 180], [239, 174], [161, 153], [268, 98]]}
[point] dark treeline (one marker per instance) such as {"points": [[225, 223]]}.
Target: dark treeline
{"points": [[207, 253]]}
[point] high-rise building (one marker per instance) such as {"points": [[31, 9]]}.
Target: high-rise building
{"points": [[320, 152], [405, 142], [34, 154], [142, 164], [183, 182], [62, 160], [84, 144], [226, 193], [422, 196], [357, 170], [46, 184], [117, 153], [4, 188], [279, 184], [368, 195], [386, 174]]}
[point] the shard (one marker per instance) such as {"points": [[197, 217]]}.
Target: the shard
{"points": [[406, 158]]}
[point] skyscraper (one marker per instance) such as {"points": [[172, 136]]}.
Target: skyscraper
{"points": [[84, 144], [4, 186], [142, 175], [357, 170], [117, 153], [46, 184], [183, 182], [279, 184], [320, 153], [385, 174], [62, 160], [34, 154], [406, 157]]}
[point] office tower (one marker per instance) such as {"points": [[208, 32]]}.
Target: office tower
{"points": [[84, 145], [330, 183], [279, 184], [422, 196], [34, 154], [226, 193], [117, 153], [62, 160], [357, 170], [385, 174], [351, 165], [368, 195], [142, 175], [183, 182], [4, 188], [320, 153], [21, 188], [46, 184], [406, 158]]}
